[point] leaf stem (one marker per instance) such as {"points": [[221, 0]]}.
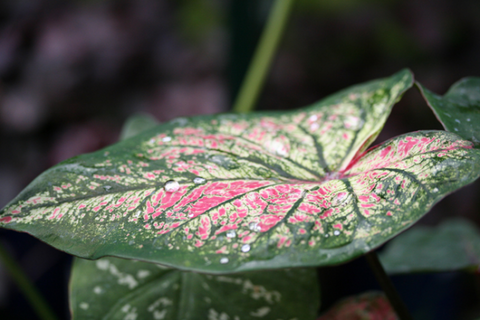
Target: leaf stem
{"points": [[387, 286], [28, 289], [268, 43]]}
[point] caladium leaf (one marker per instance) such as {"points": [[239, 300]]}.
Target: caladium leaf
{"points": [[453, 245], [367, 306], [241, 192], [459, 109], [113, 288]]}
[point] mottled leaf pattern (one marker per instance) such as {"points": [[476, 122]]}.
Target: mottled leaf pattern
{"points": [[367, 306], [459, 109], [112, 288], [240, 192], [453, 245]]}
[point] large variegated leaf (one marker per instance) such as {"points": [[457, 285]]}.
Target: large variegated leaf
{"points": [[453, 245], [112, 288], [459, 109], [241, 192]]}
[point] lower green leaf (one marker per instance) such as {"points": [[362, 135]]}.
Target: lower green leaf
{"points": [[113, 288], [453, 245]]}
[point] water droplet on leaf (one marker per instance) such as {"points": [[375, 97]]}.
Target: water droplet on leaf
{"points": [[224, 260], [254, 227], [172, 186], [353, 123], [336, 232], [199, 180], [245, 248], [435, 190], [166, 139], [231, 234]]}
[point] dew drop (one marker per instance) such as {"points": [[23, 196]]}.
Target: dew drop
{"points": [[313, 117], [336, 232], [245, 248], [279, 148], [166, 139], [468, 119], [107, 188], [435, 190], [326, 235], [172, 186], [254, 227], [224, 260], [199, 180], [231, 234], [342, 199]]}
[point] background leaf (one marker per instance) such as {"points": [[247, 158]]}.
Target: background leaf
{"points": [[112, 288], [137, 124], [367, 306], [242, 192], [453, 245], [459, 109]]}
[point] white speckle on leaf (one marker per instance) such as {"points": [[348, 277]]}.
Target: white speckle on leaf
{"points": [[143, 274], [162, 301], [158, 315], [98, 290], [166, 139], [468, 119], [245, 248], [102, 264], [262, 312], [83, 305], [313, 117], [456, 129], [125, 308], [456, 120], [336, 232]]}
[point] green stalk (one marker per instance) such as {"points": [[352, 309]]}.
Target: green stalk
{"points": [[262, 59], [387, 286], [28, 289]]}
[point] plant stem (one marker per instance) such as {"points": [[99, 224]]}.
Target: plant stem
{"points": [[30, 292], [387, 286], [268, 43]]}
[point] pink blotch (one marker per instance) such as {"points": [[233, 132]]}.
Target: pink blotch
{"points": [[327, 213], [81, 206], [199, 243], [147, 226], [338, 226], [6, 219]]}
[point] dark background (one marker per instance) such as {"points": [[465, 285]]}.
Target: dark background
{"points": [[71, 72]]}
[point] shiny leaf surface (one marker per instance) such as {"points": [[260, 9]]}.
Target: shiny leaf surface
{"points": [[242, 192], [112, 288], [459, 109], [453, 245], [367, 306]]}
